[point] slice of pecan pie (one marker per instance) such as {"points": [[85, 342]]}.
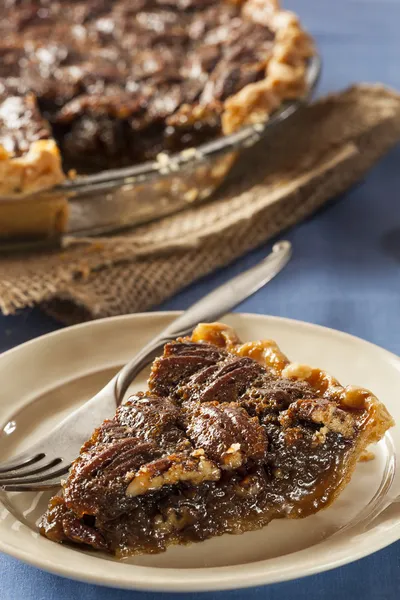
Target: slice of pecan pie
{"points": [[228, 437]]}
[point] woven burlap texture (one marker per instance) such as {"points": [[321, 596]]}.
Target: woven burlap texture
{"points": [[311, 158]]}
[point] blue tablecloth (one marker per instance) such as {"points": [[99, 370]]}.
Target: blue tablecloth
{"points": [[344, 274]]}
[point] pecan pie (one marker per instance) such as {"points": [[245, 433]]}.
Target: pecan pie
{"points": [[228, 437], [106, 83]]}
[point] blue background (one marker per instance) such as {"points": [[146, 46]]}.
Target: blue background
{"points": [[344, 274]]}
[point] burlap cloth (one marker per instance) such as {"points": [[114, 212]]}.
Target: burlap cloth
{"points": [[315, 155]]}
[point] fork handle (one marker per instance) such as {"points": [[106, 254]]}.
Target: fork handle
{"points": [[211, 307]]}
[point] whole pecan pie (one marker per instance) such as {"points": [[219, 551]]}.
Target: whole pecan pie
{"points": [[228, 437], [94, 84]]}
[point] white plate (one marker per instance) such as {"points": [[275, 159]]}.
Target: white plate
{"points": [[51, 375]]}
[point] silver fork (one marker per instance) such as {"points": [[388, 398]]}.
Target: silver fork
{"points": [[42, 466]]}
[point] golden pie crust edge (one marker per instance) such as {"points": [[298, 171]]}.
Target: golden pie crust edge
{"points": [[36, 170], [286, 68], [24, 211]]}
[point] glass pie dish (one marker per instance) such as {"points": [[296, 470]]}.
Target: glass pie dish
{"points": [[118, 199]]}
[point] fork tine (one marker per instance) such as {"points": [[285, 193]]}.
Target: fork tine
{"points": [[40, 478], [38, 487], [19, 473], [20, 461]]}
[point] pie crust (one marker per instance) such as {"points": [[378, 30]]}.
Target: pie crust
{"points": [[285, 73], [30, 163], [29, 158]]}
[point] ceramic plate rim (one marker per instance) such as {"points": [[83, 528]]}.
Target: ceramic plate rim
{"points": [[213, 578]]}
